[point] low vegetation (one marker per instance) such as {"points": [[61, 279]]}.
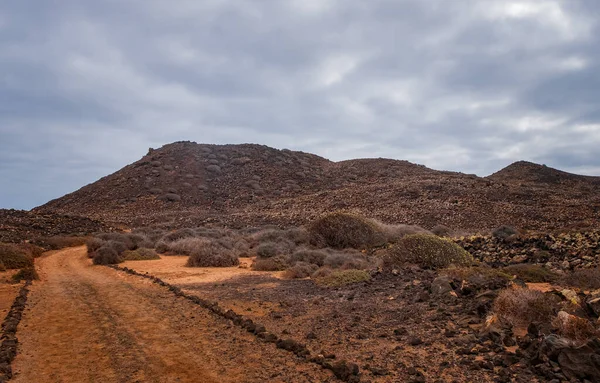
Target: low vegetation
{"points": [[343, 230], [583, 278], [531, 273], [141, 254], [341, 278], [211, 254], [15, 257], [427, 251], [26, 274], [522, 306]]}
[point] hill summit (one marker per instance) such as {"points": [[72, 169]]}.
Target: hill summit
{"points": [[185, 183]]}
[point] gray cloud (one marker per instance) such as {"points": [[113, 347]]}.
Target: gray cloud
{"points": [[86, 87]]}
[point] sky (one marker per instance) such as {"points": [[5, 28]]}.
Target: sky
{"points": [[86, 87]]}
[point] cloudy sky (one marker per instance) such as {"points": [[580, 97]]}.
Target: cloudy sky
{"points": [[87, 86]]}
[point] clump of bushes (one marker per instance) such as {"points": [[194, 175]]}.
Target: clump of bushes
{"points": [[26, 274], [14, 257], [276, 263], [504, 232], [340, 278], [314, 257], [106, 255], [342, 230], [394, 233], [60, 242], [141, 254], [211, 254], [427, 251], [300, 270], [583, 278], [522, 306], [531, 273]]}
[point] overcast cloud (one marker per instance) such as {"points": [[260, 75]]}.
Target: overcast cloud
{"points": [[87, 86]]}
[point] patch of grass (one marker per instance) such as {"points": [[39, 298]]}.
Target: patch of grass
{"points": [[14, 257], [342, 278], [532, 273], [211, 254], [342, 230], [26, 274], [141, 254], [521, 306], [427, 251]]}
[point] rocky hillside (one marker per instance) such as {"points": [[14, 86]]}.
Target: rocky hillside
{"points": [[185, 183], [19, 225]]}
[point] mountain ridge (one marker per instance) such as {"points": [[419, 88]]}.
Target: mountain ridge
{"points": [[185, 183]]}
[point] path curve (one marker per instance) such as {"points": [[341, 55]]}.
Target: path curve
{"points": [[88, 323]]}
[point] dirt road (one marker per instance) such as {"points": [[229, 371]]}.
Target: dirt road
{"points": [[89, 323]]}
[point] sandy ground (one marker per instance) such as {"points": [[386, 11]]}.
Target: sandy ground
{"points": [[8, 292], [89, 323]]}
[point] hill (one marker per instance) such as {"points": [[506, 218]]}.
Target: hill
{"points": [[185, 183]]}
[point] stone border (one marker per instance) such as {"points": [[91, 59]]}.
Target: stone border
{"points": [[343, 370], [8, 348]]}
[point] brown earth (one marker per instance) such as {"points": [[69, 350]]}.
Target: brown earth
{"points": [[89, 323], [391, 327], [188, 184]]}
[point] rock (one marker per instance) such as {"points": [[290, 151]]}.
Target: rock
{"points": [[594, 305], [441, 285], [571, 296], [345, 371], [414, 340]]}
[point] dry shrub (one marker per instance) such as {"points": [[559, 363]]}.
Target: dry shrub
{"points": [[427, 251], [276, 263], [300, 270], [583, 278], [271, 249], [315, 257], [106, 255], [26, 274], [441, 231], [504, 232], [208, 253], [60, 242], [179, 234], [342, 278], [574, 328], [141, 254], [93, 244], [479, 277], [31, 249], [342, 230], [531, 273], [521, 306], [121, 238], [394, 233], [14, 257]]}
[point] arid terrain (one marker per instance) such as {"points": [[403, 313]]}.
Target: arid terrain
{"points": [[243, 263]]}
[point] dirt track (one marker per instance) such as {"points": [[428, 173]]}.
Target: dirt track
{"points": [[89, 323]]}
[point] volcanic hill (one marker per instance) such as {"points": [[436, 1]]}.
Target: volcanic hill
{"points": [[186, 183]]}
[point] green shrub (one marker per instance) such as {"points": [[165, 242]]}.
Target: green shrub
{"points": [[141, 254], [211, 254], [521, 306], [427, 251], [531, 273], [26, 274], [14, 257], [343, 278], [342, 230], [276, 263]]}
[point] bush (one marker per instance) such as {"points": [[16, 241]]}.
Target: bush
{"points": [[441, 231], [342, 230], [14, 257], [531, 273], [119, 247], [521, 306], [93, 244], [271, 249], [479, 277], [121, 238], [394, 233], [427, 251], [106, 255], [179, 234], [60, 242], [504, 232], [276, 263], [300, 270], [315, 257], [211, 254], [141, 254], [31, 249], [583, 278], [337, 259], [342, 278], [26, 274]]}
